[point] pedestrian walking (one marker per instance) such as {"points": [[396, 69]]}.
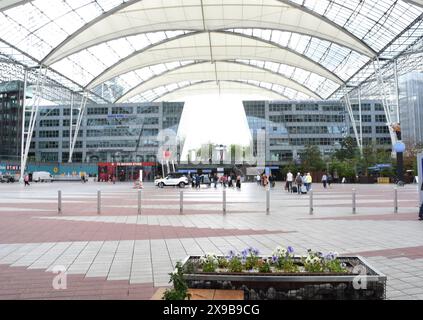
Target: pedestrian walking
{"points": [[26, 180], [258, 179], [238, 182], [309, 181], [298, 182], [289, 180], [325, 180]]}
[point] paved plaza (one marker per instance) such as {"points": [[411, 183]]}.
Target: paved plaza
{"points": [[119, 254]]}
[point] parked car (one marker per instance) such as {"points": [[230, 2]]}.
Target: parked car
{"points": [[42, 176], [7, 178], [173, 179]]}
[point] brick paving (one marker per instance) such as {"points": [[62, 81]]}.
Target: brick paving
{"points": [[122, 255]]}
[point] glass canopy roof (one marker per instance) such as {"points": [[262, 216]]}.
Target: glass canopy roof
{"points": [[123, 48]]}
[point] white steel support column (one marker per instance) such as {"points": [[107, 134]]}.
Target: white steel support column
{"points": [[360, 111], [383, 96], [353, 122], [75, 128], [33, 111], [397, 91], [71, 123]]}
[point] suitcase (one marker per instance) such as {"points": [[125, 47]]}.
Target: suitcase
{"points": [[303, 190], [294, 189]]}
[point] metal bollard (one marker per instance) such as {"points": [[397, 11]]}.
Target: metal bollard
{"points": [[139, 202], [354, 201], [396, 199], [311, 202], [181, 202], [59, 201], [98, 202], [268, 201], [224, 201]]}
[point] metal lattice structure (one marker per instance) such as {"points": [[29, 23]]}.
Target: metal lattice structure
{"points": [[147, 50]]}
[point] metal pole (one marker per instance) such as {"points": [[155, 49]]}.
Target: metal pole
{"points": [[139, 202], [224, 201], [59, 202], [354, 202], [396, 199], [98, 202], [181, 202], [268, 201], [311, 202], [397, 90], [21, 178]]}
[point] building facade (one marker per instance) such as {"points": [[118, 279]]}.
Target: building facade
{"points": [[290, 126], [108, 133], [411, 107], [11, 101]]}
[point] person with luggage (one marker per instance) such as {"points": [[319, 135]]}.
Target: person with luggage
{"points": [[298, 183]]}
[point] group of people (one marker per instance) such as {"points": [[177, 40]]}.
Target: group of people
{"points": [[226, 180], [302, 183], [265, 180]]}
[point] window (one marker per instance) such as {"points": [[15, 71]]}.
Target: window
{"points": [[122, 110], [364, 107], [334, 108], [279, 107], [379, 107], [48, 134], [365, 130], [50, 123], [49, 156], [98, 111], [382, 129], [148, 109], [48, 144], [50, 112], [255, 109], [152, 121], [307, 107], [383, 141], [66, 112], [380, 118]]}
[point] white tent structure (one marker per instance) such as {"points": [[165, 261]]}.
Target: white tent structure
{"points": [[151, 50]]}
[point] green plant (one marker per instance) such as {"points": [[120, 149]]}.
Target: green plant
{"points": [[222, 263], [180, 287], [235, 264], [264, 266], [283, 259], [332, 264], [251, 258], [313, 262], [209, 262]]}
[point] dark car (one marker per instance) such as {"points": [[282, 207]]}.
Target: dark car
{"points": [[7, 178]]}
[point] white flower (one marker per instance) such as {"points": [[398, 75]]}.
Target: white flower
{"points": [[308, 260], [316, 260], [335, 254]]}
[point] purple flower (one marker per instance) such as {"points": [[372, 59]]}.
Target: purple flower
{"points": [[244, 253], [274, 259], [290, 250], [256, 252], [231, 254]]}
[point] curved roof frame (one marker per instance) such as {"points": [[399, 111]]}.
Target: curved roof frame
{"points": [[289, 83], [418, 3], [130, 63], [246, 84], [60, 51], [8, 4]]}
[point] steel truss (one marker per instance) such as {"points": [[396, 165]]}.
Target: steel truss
{"points": [[74, 128], [32, 111]]}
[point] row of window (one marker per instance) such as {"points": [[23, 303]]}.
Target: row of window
{"points": [[316, 130], [307, 118], [118, 132], [368, 129]]}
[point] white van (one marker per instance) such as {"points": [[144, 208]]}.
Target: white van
{"points": [[42, 176]]}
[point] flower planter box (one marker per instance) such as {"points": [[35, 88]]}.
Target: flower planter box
{"points": [[366, 284]]}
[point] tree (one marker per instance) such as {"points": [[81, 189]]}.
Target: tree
{"points": [[312, 159], [349, 149]]}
